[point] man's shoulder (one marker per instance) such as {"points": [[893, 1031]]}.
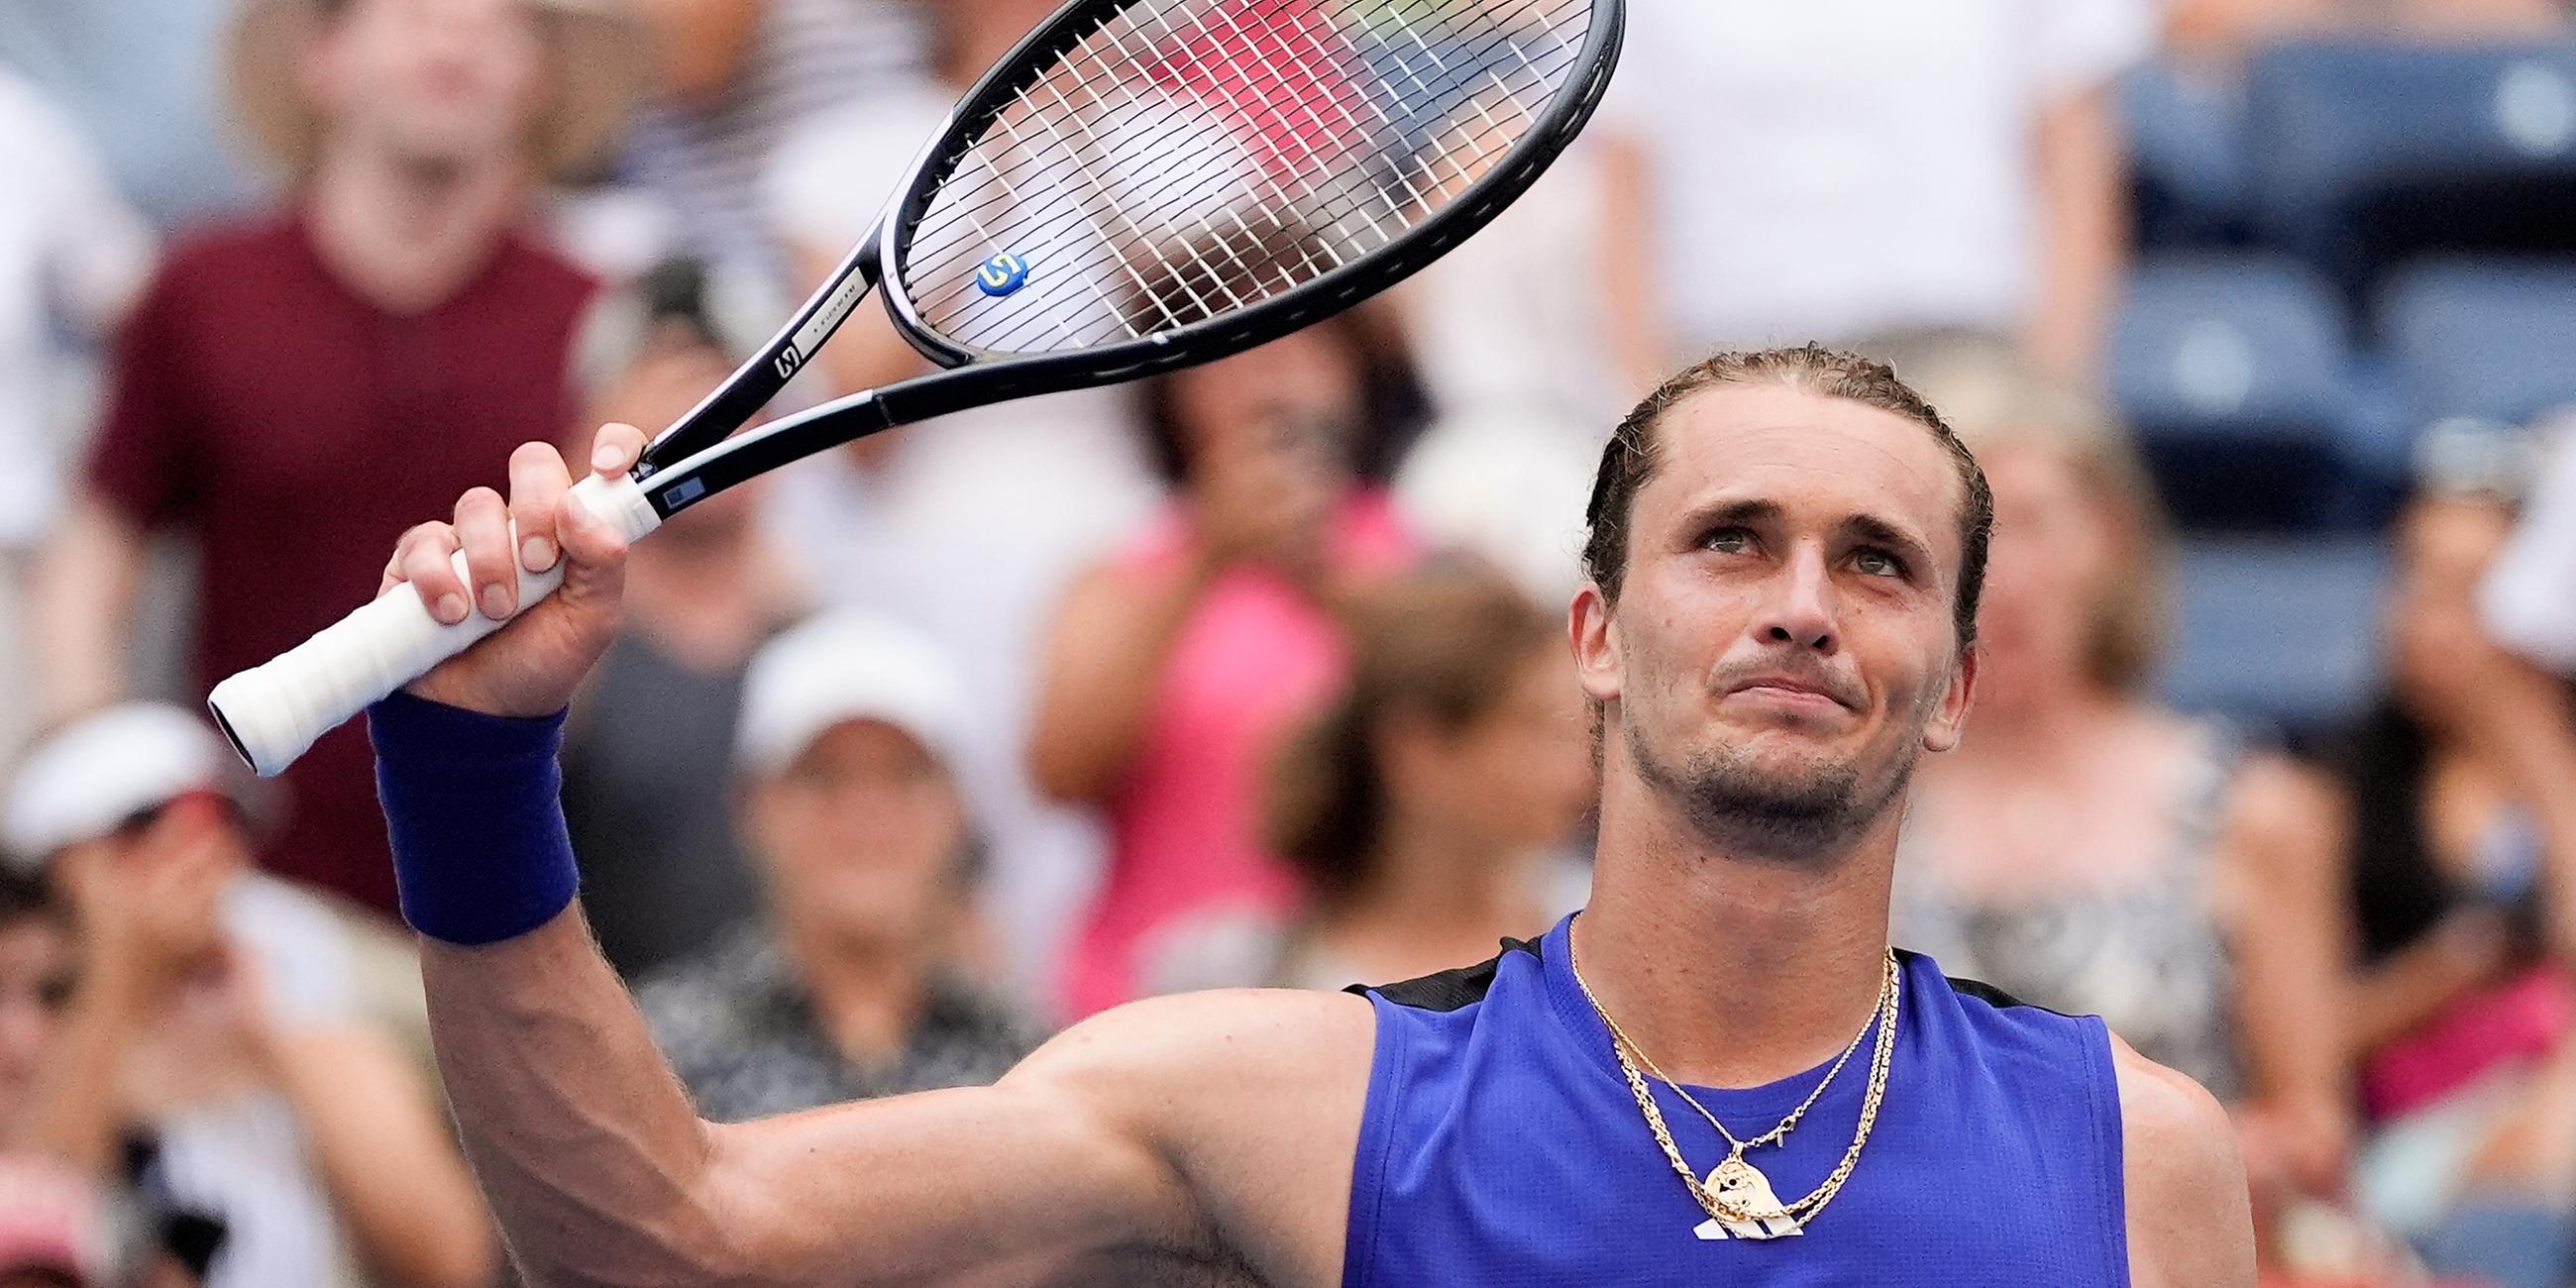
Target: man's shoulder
{"points": [[2188, 1214], [2177, 1119], [1253, 1096], [1185, 1068], [1248, 1038]]}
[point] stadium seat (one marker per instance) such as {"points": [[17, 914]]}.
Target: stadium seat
{"points": [[2234, 372], [2187, 158], [2368, 153], [2488, 339], [2279, 632]]}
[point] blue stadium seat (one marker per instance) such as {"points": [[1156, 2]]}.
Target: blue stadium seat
{"points": [[2368, 153], [2280, 632], [2492, 339], [2187, 156], [2234, 371]]}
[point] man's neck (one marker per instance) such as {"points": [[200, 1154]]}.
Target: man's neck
{"points": [[408, 237], [1732, 969]]}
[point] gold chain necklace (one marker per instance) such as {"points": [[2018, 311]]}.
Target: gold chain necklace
{"points": [[1777, 1134], [1736, 1196]]}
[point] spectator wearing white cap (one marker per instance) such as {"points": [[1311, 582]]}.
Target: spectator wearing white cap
{"points": [[218, 1014], [855, 986]]}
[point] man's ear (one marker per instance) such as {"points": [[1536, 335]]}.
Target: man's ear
{"points": [[1593, 629], [1943, 732]]}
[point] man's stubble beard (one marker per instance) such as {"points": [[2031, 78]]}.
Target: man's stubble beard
{"points": [[1806, 817]]}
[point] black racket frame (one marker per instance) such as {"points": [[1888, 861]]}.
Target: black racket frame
{"points": [[697, 457]]}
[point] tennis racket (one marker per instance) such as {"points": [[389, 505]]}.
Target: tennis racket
{"points": [[1138, 185]]}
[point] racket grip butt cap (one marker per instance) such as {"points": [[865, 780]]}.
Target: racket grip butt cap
{"points": [[274, 711]]}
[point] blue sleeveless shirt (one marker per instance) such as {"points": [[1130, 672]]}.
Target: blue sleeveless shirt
{"points": [[1501, 1147]]}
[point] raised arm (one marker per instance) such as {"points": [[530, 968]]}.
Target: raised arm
{"points": [[597, 1166]]}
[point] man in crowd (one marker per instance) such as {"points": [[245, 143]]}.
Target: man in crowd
{"points": [[289, 389]]}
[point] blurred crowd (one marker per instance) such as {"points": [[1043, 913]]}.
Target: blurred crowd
{"points": [[2257, 312]]}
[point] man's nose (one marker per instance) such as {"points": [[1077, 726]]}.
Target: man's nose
{"points": [[1799, 611]]}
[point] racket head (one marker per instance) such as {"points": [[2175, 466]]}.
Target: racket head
{"points": [[1175, 180]]}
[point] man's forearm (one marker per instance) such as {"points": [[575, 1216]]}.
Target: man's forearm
{"points": [[591, 1155], [586, 1146]]}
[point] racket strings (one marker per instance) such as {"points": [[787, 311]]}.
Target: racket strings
{"points": [[1340, 221], [1308, 195], [1186, 158]]}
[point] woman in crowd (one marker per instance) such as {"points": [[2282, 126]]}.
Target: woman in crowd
{"points": [[1179, 662], [1428, 805], [2464, 1026], [650, 736], [221, 1021], [2088, 850], [858, 980]]}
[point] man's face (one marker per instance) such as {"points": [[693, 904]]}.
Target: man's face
{"points": [[435, 82], [1783, 647]]}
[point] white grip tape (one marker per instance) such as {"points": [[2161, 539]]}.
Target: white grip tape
{"points": [[274, 711]]}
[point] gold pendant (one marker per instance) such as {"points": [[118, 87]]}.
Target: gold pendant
{"points": [[1739, 1186]]}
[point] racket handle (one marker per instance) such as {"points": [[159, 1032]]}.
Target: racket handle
{"points": [[274, 711]]}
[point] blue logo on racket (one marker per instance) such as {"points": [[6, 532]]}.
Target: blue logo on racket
{"points": [[1002, 274]]}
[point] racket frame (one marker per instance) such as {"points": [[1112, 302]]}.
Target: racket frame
{"points": [[699, 455]]}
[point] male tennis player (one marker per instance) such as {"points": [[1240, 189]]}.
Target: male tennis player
{"points": [[1785, 561]]}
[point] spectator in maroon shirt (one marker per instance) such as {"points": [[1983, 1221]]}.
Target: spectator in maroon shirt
{"points": [[292, 392]]}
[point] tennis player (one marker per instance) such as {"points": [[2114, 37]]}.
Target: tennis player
{"points": [[1716, 1074]]}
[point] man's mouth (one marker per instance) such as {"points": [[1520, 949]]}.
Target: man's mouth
{"points": [[1789, 691]]}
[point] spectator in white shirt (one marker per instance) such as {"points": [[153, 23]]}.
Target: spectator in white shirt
{"points": [[72, 257], [1841, 169]]}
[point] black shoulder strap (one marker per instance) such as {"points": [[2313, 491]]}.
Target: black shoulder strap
{"points": [[1449, 989]]}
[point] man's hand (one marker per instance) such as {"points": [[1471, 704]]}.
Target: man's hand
{"points": [[531, 666]]}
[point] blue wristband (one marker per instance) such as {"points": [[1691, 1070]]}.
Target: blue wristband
{"points": [[473, 804]]}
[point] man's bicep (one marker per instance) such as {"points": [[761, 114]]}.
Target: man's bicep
{"points": [[934, 1187]]}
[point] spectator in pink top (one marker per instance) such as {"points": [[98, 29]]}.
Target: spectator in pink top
{"points": [[1179, 662]]}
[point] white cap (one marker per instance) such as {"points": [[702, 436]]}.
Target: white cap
{"points": [[103, 769], [841, 666]]}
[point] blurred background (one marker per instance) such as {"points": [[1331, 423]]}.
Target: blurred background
{"points": [[2261, 315]]}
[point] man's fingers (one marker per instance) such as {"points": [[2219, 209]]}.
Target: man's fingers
{"points": [[483, 532], [422, 558], [595, 550], [616, 449], [537, 483]]}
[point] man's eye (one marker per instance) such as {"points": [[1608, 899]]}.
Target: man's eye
{"points": [[1878, 563], [1729, 541]]}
